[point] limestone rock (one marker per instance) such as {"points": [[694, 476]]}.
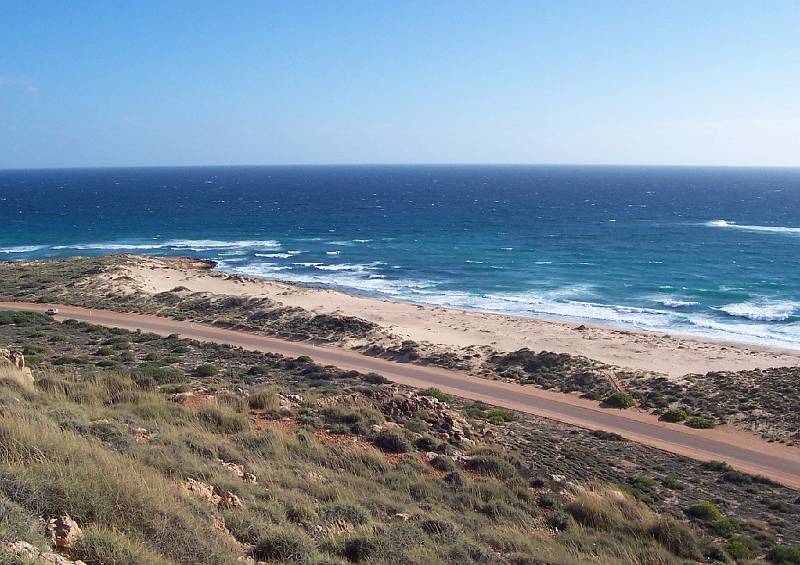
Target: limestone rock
{"points": [[63, 532], [202, 490], [230, 500]]}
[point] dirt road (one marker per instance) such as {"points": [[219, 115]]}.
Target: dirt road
{"points": [[743, 451]]}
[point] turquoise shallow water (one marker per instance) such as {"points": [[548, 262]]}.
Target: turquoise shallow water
{"points": [[702, 251]]}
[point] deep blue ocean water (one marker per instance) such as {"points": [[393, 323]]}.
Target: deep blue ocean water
{"points": [[707, 251]]}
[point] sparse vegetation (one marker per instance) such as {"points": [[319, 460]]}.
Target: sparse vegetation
{"points": [[326, 491]]}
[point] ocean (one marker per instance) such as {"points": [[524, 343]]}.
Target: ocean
{"points": [[701, 251]]}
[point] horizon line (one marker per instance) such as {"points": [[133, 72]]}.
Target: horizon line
{"points": [[421, 164]]}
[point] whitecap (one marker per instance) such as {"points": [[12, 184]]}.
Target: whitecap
{"points": [[357, 268], [191, 244], [734, 225], [675, 302], [761, 310], [332, 252], [23, 249]]}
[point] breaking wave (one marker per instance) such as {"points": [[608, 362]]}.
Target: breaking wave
{"points": [[734, 225], [23, 249], [761, 310]]}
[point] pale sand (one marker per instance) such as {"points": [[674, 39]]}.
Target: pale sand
{"points": [[671, 355]]}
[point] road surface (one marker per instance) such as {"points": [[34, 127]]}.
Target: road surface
{"points": [[743, 451]]}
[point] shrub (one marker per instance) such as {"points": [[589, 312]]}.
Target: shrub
{"points": [[784, 555], [492, 466], [699, 422], [704, 510], [741, 547], [391, 442], [161, 375], [69, 360], [425, 443], [620, 400], [443, 464], [559, 520], [676, 415], [725, 526], [205, 370], [22, 318], [104, 352], [284, 544], [492, 415], [375, 379], [435, 393]]}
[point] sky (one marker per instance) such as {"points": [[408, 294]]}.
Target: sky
{"points": [[292, 82]]}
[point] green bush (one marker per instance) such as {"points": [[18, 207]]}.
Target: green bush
{"points": [[676, 415], [741, 547], [699, 422], [704, 510], [69, 360], [725, 526], [161, 375], [435, 393], [22, 318], [492, 415], [784, 555], [620, 400], [205, 370]]}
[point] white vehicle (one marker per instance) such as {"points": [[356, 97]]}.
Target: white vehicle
{"points": [[51, 311]]}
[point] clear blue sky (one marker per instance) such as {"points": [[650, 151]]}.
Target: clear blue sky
{"points": [[160, 83]]}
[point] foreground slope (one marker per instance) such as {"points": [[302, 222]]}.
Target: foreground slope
{"points": [[127, 433]]}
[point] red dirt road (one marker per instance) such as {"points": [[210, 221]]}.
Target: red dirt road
{"points": [[745, 452]]}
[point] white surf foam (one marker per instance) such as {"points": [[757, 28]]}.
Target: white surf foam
{"points": [[190, 244], [23, 249], [734, 225], [673, 301], [762, 310]]}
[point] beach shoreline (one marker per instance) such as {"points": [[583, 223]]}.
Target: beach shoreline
{"points": [[671, 354]]}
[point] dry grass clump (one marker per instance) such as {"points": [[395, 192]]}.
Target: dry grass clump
{"points": [[608, 509], [10, 376]]}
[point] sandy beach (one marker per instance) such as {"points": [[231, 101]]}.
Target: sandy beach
{"points": [[674, 356]]}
